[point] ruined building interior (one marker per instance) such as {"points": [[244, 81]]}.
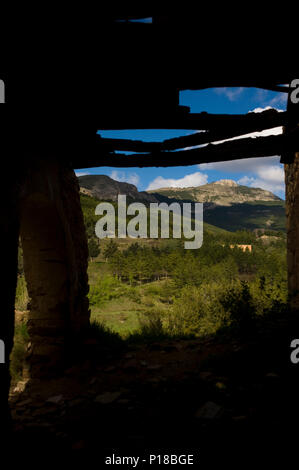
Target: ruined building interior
{"points": [[41, 204]]}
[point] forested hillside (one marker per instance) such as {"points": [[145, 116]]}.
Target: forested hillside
{"points": [[142, 289], [227, 205], [157, 286]]}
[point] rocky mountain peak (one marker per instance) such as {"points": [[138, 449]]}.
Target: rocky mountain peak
{"points": [[102, 187], [230, 183]]}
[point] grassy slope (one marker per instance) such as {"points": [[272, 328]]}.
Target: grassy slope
{"points": [[89, 203], [121, 314], [268, 215], [239, 216], [260, 214]]}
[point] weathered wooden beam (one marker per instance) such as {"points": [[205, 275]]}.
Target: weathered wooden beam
{"points": [[292, 124], [231, 150], [263, 84], [197, 121], [128, 145], [251, 122], [223, 129]]}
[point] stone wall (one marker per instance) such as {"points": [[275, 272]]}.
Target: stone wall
{"points": [[292, 213], [10, 189], [55, 264]]}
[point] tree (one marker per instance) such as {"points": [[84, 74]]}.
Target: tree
{"points": [[93, 248], [20, 260], [110, 250]]}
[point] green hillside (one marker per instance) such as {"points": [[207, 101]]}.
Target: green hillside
{"points": [[89, 203], [231, 206], [249, 216]]}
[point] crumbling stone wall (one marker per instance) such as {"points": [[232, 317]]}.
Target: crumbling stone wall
{"points": [[55, 264], [292, 213], [9, 262]]}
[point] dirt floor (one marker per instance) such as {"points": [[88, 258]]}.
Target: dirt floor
{"points": [[219, 399]]}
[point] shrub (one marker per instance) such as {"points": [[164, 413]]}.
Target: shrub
{"points": [[18, 353], [151, 327], [133, 295], [151, 324], [104, 335], [269, 295], [198, 311], [238, 302], [22, 297], [105, 289]]}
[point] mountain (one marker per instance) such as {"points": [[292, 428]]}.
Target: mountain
{"points": [[231, 206], [104, 188], [227, 205], [222, 193]]}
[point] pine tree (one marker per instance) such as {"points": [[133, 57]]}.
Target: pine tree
{"points": [[93, 248], [110, 250]]}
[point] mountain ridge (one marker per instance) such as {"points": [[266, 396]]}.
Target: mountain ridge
{"points": [[103, 187], [227, 205], [222, 192]]}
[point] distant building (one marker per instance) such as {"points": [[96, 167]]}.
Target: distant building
{"points": [[259, 231], [242, 247]]}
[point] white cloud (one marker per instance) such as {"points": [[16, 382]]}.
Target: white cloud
{"points": [[280, 99], [117, 175], [263, 96], [194, 179], [274, 187], [272, 173], [82, 173], [266, 108], [265, 173], [231, 93], [131, 178], [246, 165], [269, 177]]}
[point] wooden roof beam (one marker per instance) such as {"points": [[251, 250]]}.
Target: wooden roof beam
{"points": [[251, 122], [277, 85], [198, 121], [231, 126], [232, 150]]}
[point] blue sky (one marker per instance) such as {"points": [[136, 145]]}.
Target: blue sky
{"points": [[266, 173]]}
